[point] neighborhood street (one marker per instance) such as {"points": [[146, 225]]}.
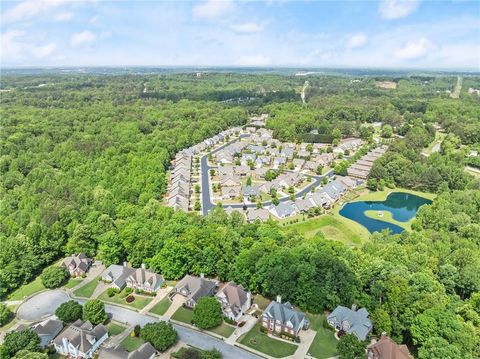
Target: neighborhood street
{"points": [[44, 304]]}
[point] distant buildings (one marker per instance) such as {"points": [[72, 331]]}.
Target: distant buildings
{"points": [[361, 168]]}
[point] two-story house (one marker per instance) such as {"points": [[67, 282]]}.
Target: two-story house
{"points": [[235, 300], [144, 280], [351, 321], [279, 318], [386, 348], [194, 288], [80, 340], [77, 265]]}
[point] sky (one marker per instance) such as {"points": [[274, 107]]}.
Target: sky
{"points": [[362, 34]]}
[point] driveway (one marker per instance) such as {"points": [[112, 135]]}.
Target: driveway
{"points": [[42, 305]]}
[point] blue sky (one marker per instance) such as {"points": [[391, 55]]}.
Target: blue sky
{"points": [[391, 33]]}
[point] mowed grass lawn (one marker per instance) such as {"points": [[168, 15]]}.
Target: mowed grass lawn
{"points": [[161, 307], [72, 282], [324, 345], [87, 290], [183, 315], [27, 289], [120, 298], [114, 328], [131, 343], [257, 340], [223, 329]]}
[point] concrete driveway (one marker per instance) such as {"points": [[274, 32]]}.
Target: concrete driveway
{"points": [[42, 305]]}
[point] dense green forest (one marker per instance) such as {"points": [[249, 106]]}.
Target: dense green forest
{"points": [[84, 160]]}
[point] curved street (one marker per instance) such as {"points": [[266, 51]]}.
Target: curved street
{"points": [[44, 304]]}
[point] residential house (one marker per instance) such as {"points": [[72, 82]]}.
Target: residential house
{"points": [[279, 318], [77, 265], [303, 154], [256, 149], [303, 205], [144, 351], [248, 157], [227, 181], [251, 191], [351, 321], [262, 161], [386, 348], [117, 275], [284, 209], [231, 191], [48, 330], [225, 171], [194, 288], [242, 171], [287, 152], [178, 203], [224, 157], [260, 214], [334, 189], [279, 161], [235, 300], [144, 280], [298, 163], [260, 173], [320, 199], [80, 339], [311, 166]]}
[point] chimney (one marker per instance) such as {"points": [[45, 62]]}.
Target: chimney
{"points": [[125, 264], [279, 298], [202, 275], [384, 335], [143, 266], [354, 307]]}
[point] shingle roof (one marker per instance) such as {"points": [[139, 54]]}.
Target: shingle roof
{"points": [[196, 287], [284, 313], [386, 348], [357, 321]]}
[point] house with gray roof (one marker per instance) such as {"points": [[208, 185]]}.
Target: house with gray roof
{"points": [[246, 157], [194, 288], [117, 275], [235, 300], [303, 205], [145, 351], [260, 214], [281, 318], [284, 209], [351, 321], [279, 161], [144, 280], [80, 339], [77, 265], [298, 163], [251, 191], [287, 152], [231, 192], [48, 330]]}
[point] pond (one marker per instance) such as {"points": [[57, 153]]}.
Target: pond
{"points": [[403, 206]]}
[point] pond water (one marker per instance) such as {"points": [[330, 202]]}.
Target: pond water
{"points": [[403, 206]]}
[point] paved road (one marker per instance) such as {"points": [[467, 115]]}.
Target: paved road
{"points": [[207, 204], [44, 304]]}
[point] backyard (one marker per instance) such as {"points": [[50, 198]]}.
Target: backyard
{"points": [[257, 340], [324, 345]]}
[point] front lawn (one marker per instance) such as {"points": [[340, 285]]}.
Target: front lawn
{"points": [[114, 329], [324, 345], [183, 315], [27, 289], [161, 307], [87, 290], [73, 282], [132, 343], [120, 298], [223, 329], [263, 343]]}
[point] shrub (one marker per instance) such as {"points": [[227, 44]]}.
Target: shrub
{"points": [[128, 290], [94, 311], [161, 335], [5, 315], [112, 291], [136, 330], [228, 320], [53, 277], [130, 299]]}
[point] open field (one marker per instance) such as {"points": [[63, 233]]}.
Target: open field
{"points": [[223, 329], [324, 345], [73, 282], [28, 289], [87, 290], [257, 340], [183, 315]]}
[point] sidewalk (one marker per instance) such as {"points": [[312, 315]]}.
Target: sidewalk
{"points": [[306, 339]]}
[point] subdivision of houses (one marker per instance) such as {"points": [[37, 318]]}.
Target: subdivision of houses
{"points": [[80, 339], [351, 321], [281, 318], [77, 265], [193, 288], [235, 300]]}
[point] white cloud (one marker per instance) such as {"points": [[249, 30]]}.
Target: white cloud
{"points": [[247, 28], [415, 49], [212, 9], [63, 16], [93, 20], [396, 9], [30, 8], [254, 60], [356, 41], [43, 51], [83, 38]]}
